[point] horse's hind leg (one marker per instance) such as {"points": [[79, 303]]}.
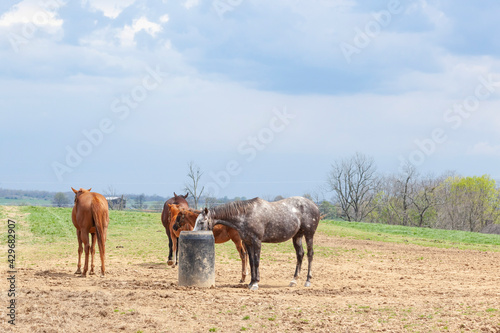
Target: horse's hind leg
{"points": [[240, 247], [299, 251], [80, 250], [92, 254], [85, 239], [310, 254], [102, 250]]}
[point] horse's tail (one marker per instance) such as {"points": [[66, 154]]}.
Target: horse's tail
{"points": [[100, 215]]}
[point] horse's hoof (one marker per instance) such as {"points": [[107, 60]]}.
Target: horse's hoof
{"points": [[78, 272], [293, 284], [91, 273], [254, 287], [307, 284], [242, 280], [170, 262]]}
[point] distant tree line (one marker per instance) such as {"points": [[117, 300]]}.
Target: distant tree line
{"points": [[20, 194], [360, 193], [447, 201]]}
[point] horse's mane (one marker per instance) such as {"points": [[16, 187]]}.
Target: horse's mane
{"points": [[232, 209], [194, 211]]}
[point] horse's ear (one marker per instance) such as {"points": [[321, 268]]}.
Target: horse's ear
{"points": [[90, 189], [185, 197], [175, 195], [206, 210], [74, 190]]}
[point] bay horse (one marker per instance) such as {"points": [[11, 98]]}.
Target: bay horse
{"points": [[185, 220], [165, 219], [90, 216], [259, 221], [174, 234]]}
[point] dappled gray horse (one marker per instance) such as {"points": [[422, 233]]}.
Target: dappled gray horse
{"points": [[258, 221]]}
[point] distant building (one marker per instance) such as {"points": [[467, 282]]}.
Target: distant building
{"points": [[116, 203]]}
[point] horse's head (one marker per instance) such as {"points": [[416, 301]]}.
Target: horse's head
{"points": [[80, 192], [180, 222], [204, 221], [173, 211], [181, 196]]}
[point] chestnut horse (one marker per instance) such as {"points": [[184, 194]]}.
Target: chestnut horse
{"points": [[173, 211], [166, 221], [185, 220], [90, 216], [259, 221]]}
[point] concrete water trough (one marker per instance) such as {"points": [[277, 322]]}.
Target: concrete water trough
{"points": [[197, 259]]}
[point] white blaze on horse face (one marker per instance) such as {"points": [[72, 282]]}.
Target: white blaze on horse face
{"points": [[197, 223], [201, 223]]}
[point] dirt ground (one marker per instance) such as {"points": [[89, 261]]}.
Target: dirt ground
{"points": [[357, 286], [369, 286]]}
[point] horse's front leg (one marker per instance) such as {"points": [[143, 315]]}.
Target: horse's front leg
{"points": [[299, 251], [254, 256], [80, 250]]}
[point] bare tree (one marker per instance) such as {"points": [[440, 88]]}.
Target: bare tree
{"points": [[425, 200], [355, 184], [114, 201], [400, 190], [210, 201], [193, 187], [110, 191]]}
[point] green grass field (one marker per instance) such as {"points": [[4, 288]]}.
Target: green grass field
{"points": [[51, 229], [53, 225], [24, 202], [412, 235]]}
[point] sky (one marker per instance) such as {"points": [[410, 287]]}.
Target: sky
{"points": [[263, 96]]}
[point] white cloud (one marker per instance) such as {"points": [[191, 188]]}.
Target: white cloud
{"points": [[484, 149], [109, 8], [30, 12], [191, 3], [127, 34], [164, 18]]}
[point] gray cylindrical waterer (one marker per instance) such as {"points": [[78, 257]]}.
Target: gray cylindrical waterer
{"points": [[197, 259]]}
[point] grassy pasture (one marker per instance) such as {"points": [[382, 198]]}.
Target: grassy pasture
{"points": [[50, 225], [25, 201], [412, 235], [51, 231]]}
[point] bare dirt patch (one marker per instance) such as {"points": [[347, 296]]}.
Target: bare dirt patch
{"points": [[358, 286]]}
